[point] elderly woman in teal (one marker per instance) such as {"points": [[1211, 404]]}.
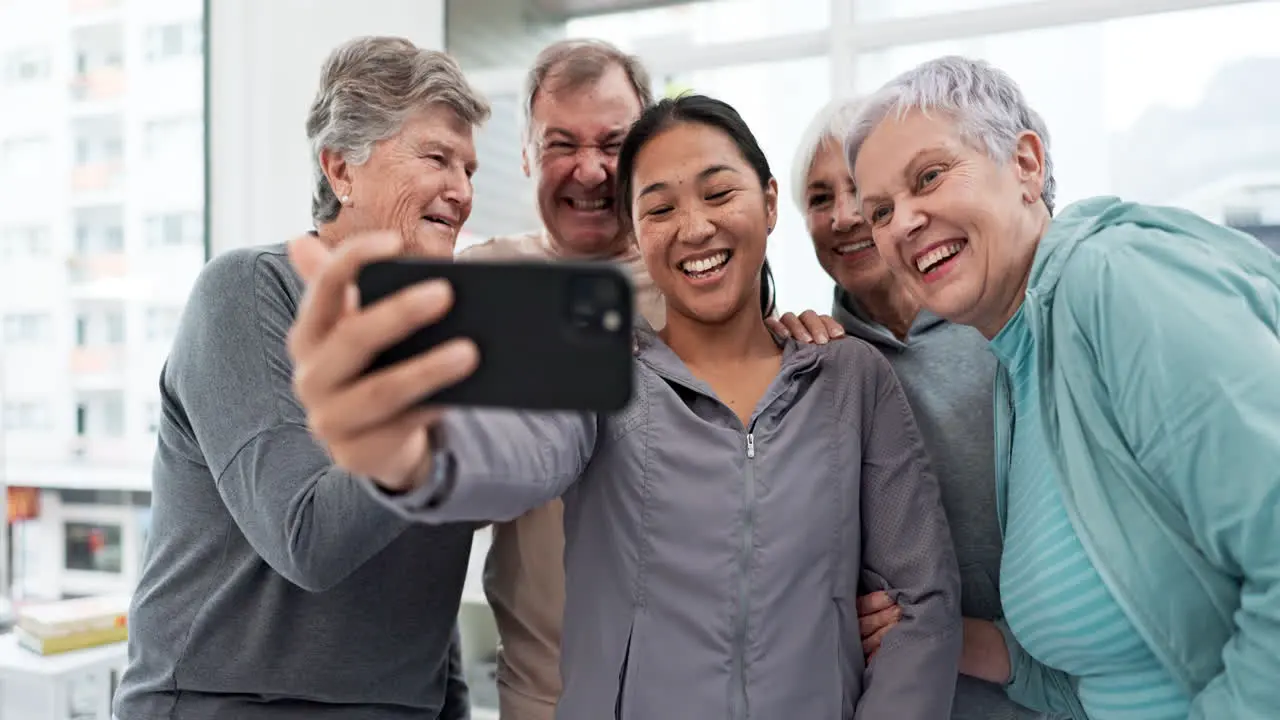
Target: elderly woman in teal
{"points": [[1137, 407]]}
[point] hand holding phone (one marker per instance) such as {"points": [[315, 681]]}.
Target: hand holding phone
{"points": [[371, 425]]}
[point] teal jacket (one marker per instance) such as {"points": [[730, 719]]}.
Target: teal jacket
{"points": [[1158, 351]]}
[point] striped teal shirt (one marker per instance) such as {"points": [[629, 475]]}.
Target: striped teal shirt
{"points": [[1054, 600]]}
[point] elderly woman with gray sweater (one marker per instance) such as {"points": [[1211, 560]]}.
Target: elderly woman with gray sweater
{"points": [[274, 586], [946, 371]]}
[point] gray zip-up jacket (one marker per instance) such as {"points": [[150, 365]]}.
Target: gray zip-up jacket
{"points": [[712, 568]]}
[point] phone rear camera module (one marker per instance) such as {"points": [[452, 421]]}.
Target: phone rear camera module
{"points": [[594, 305]]}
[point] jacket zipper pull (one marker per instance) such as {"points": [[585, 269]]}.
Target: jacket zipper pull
{"points": [[751, 445]]}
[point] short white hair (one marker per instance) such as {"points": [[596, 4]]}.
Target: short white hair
{"points": [[827, 129], [986, 105]]}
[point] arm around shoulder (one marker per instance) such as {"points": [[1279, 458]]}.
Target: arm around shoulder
{"points": [[907, 547], [1189, 354], [230, 373]]}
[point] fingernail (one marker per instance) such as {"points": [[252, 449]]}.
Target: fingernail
{"points": [[807, 337], [822, 339], [838, 332]]}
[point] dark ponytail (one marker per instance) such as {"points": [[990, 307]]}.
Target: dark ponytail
{"points": [[767, 307]]}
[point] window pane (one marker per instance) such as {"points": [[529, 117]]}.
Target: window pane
{"points": [[871, 10], [485, 34], [1147, 121]]}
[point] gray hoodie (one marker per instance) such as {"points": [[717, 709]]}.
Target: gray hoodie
{"points": [[712, 568], [947, 372]]}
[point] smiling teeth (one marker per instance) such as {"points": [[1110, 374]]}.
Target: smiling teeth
{"points": [[853, 247], [926, 262], [706, 264], [589, 204]]}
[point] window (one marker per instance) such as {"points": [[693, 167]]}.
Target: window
{"points": [[99, 239], [165, 42], [27, 328], [98, 148], [25, 66], [488, 34], [100, 415], [175, 230], [1148, 122], [25, 242], [113, 325], [872, 10], [178, 139], [162, 323], [151, 411], [27, 415], [707, 22], [99, 327], [24, 155]]}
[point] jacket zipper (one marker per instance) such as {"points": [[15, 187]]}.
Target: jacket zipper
{"points": [[738, 681], [1003, 399], [738, 689]]}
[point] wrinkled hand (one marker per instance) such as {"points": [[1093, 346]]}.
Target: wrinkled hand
{"points": [[877, 614], [809, 327], [370, 425]]}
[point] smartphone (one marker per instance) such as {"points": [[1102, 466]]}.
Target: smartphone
{"points": [[552, 335]]}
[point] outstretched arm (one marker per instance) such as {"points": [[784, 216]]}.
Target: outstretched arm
{"points": [[497, 465]]}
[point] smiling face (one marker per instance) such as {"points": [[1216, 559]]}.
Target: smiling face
{"points": [[841, 238], [957, 228], [417, 181], [576, 135], [702, 221]]}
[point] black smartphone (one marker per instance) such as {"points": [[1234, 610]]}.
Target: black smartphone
{"points": [[552, 335]]}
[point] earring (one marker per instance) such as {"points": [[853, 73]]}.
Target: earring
{"points": [[345, 199]]}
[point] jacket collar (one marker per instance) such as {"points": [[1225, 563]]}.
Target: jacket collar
{"points": [[855, 321], [653, 352]]}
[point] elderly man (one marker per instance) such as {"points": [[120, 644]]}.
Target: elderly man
{"points": [[580, 98]]}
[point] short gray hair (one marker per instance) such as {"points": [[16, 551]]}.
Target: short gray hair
{"points": [[369, 86], [573, 63], [987, 106], [827, 129]]}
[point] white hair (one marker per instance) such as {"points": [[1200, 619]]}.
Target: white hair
{"points": [[827, 129], [368, 87], [986, 105]]}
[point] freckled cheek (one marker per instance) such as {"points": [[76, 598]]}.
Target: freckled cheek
{"points": [[655, 244]]}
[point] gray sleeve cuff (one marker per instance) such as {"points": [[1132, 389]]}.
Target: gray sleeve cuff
{"points": [[429, 495]]}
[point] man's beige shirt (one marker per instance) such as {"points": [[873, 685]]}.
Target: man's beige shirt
{"points": [[524, 572]]}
